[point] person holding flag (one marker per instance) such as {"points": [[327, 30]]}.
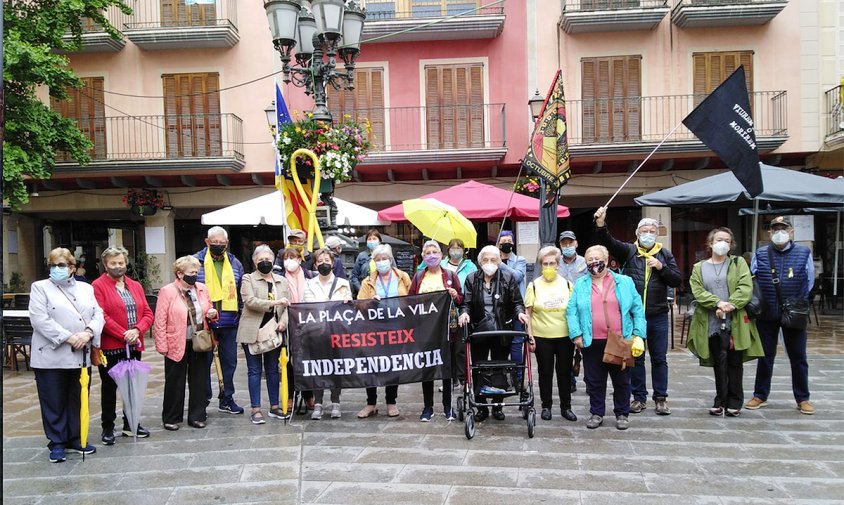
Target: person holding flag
{"points": [[654, 271]]}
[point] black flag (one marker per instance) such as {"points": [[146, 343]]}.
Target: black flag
{"points": [[723, 122]]}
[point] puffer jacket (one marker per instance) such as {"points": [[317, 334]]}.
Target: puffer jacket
{"points": [[228, 318], [797, 285], [633, 266]]}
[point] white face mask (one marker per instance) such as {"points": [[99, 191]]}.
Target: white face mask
{"points": [[291, 265], [721, 248], [780, 237], [489, 268]]}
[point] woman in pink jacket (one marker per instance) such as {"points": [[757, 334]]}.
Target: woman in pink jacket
{"points": [[180, 303]]}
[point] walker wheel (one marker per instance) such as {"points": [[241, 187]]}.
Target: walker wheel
{"points": [[470, 425], [531, 422]]}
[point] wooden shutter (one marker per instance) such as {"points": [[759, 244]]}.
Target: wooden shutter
{"points": [[611, 93], [86, 105], [366, 101], [192, 117], [454, 99], [710, 70], [176, 13]]}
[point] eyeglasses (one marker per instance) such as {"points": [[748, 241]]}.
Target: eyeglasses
{"points": [[59, 265]]}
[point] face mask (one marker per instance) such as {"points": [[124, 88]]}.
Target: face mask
{"points": [[489, 268], [190, 280], [597, 267], [506, 248], [59, 274], [291, 265], [550, 273], [372, 244], [433, 260], [383, 266], [217, 249], [117, 272], [780, 237], [298, 247], [721, 248], [265, 267], [569, 252], [647, 240], [455, 254], [324, 269]]}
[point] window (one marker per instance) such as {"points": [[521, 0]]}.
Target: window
{"points": [[710, 70], [87, 106], [611, 99], [454, 106], [192, 117], [435, 8], [176, 13], [365, 101]]}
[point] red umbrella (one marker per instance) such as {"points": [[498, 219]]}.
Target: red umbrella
{"points": [[480, 202]]}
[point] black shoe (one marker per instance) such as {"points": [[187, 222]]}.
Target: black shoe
{"points": [[108, 437], [573, 388], [481, 415], [197, 424], [546, 414], [142, 432], [498, 414], [171, 426], [568, 414]]}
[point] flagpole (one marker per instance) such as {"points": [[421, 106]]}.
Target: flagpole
{"points": [[278, 177], [755, 228], [507, 210], [641, 164]]}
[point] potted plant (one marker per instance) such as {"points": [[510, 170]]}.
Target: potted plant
{"points": [[143, 202], [528, 186]]}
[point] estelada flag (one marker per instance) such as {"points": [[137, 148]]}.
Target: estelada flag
{"points": [[548, 153], [296, 210], [723, 122]]}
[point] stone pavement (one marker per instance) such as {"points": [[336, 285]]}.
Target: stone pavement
{"points": [[772, 455]]}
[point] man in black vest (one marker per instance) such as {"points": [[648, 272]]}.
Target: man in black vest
{"points": [[653, 270], [795, 272]]}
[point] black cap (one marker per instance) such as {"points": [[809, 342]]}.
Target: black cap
{"points": [[567, 234], [781, 220]]}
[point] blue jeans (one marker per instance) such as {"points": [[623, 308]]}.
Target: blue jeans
{"points": [[269, 363], [657, 344], [227, 348], [795, 347]]}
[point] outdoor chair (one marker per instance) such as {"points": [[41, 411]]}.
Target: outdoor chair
{"points": [[17, 339]]}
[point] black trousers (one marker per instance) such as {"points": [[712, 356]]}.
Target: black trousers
{"points": [[193, 367], [729, 372], [554, 354], [391, 392], [458, 359], [58, 395], [484, 350], [108, 388]]}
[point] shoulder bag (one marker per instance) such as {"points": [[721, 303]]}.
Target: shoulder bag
{"points": [[754, 306], [618, 349], [794, 312], [268, 337], [201, 340]]}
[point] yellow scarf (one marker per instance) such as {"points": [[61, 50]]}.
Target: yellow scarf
{"points": [[647, 254], [224, 290]]}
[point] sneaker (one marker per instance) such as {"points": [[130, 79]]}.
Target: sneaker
{"points": [[545, 415], [427, 414], [230, 407], [733, 412], [662, 408], [806, 407], [316, 415], [142, 432], [482, 415], [88, 449], [637, 406], [257, 417], [57, 455], [108, 437], [755, 403], [716, 411], [498, 414], [278, 414], [335, 411], [594, 421], [622, 423], [448, 412]]}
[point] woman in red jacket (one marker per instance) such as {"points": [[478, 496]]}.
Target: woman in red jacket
{"points": [[127, 317]]}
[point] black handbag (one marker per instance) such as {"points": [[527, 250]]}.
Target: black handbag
{"points": [[794, 312], [754, 306]]}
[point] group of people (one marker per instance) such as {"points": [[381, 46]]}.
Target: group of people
{"points": [[576, 305]]}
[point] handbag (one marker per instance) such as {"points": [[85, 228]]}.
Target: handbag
{"points": [[754, 306], [201, 339], [617, 350], [794, 312], [268, 339]]}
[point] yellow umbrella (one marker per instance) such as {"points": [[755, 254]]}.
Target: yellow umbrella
{"points": [[439, 221], [84, 413], [282, 360]]}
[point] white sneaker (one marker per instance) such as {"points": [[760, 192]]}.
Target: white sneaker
{"points": [[335, 411], [316, 415]]}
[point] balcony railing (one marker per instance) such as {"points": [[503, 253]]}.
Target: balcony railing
{"points": [[377, 10], [606, 5], [581, 16], [165, 137], [708, 13], [95, 39], [410, 20], [170, 24], [835, 110], [647, 119]]}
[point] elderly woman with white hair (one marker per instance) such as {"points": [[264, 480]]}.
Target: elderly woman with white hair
{"points": [[492, 301], [435, 278], [385, 282], [265, 300], [546, 299]]}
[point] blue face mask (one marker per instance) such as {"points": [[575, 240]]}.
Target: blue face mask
{"points": [[372, 244], [569, 252], [59, 274], [647, 240]]}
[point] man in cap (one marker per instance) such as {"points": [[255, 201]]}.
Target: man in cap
{"points": [[296, 240], [334, 243], [572, 267], [795, 273], [654, 271]]}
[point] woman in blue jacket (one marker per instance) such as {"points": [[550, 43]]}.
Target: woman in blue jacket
{"points": [[601, 302]]}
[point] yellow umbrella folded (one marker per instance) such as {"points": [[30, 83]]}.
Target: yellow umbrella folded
{"points": [[282, 360], [84, 413], [439, 221]]}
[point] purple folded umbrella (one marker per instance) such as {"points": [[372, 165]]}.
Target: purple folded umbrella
{"points": [[131, 378]]}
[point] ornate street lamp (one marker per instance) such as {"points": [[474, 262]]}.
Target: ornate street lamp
{"points": [[317, 32], [535, 104]]}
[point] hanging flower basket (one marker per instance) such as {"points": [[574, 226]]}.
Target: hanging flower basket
{"points": [[528, 186], [143, 202]]}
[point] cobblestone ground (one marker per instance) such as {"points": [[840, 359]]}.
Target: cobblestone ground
{"points": [[772, 455]]}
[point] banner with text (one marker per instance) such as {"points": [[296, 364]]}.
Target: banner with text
{"points": [[370, 342]]}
